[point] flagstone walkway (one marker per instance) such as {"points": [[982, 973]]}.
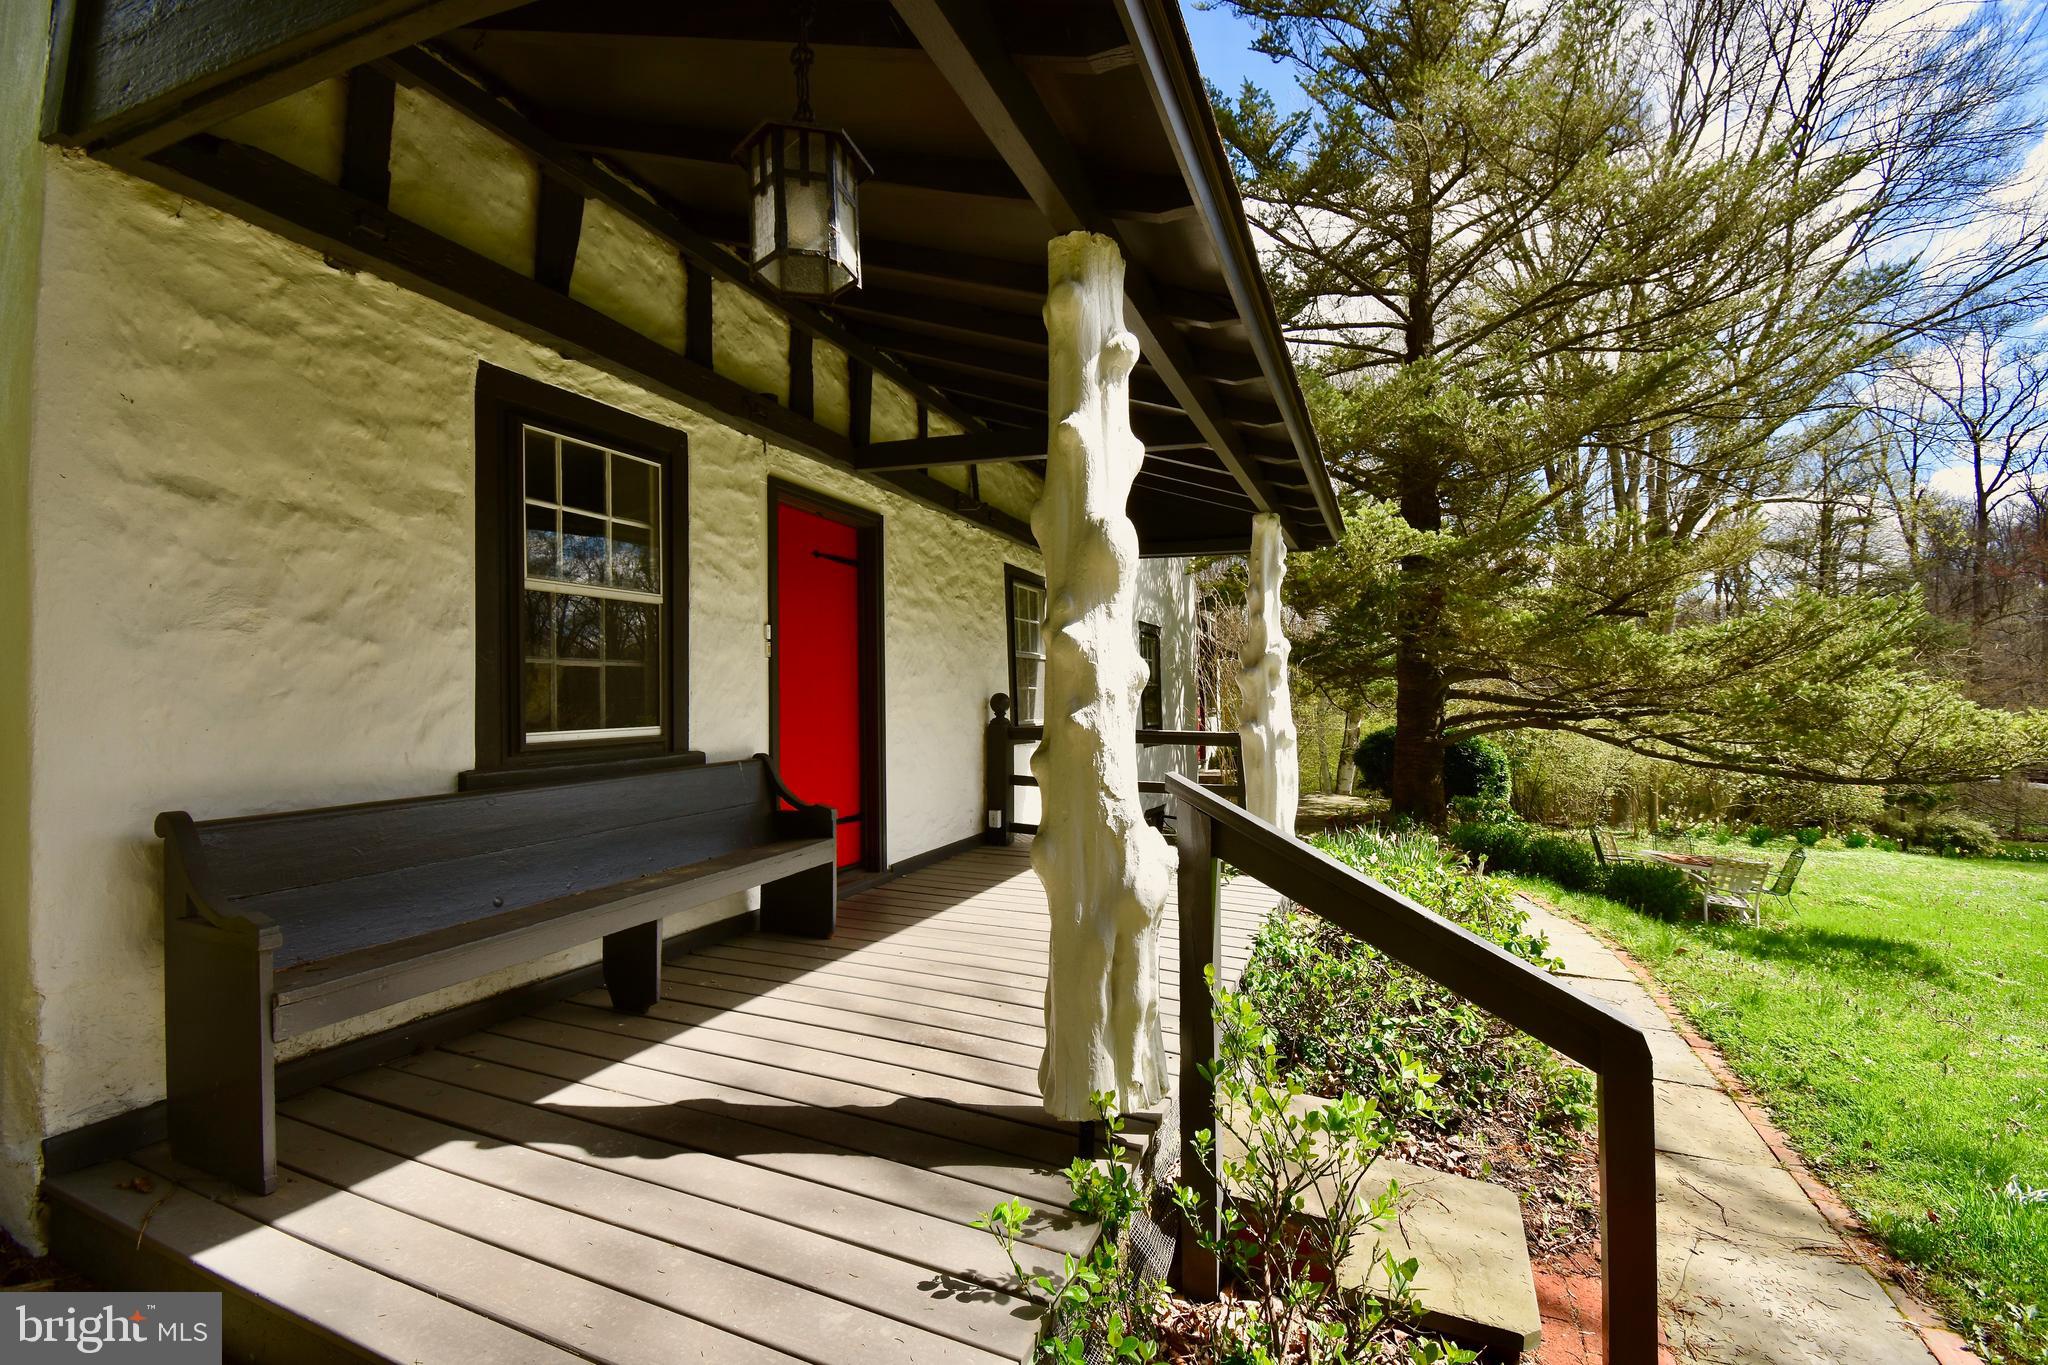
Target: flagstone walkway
{"points": [[1748, 1268]]}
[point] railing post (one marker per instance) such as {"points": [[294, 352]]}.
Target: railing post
{"points": [[999, 762], [1628, 1199], [1201, 946]]}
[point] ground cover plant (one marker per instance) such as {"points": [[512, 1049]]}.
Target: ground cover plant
{"points": [[1894, 1017], [1344, 1017]]}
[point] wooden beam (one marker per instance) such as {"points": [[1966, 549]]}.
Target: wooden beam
{"points": [[1024, 332], [1166, 66], [141, 74], [438, 75], [302, 207], [1084, 34], [1001, 446], [366, 136], [557, 231], [1145, 197], [860, 402], [697, 298], [801, 373], [962, 40]]}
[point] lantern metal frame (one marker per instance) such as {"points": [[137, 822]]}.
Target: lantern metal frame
{"points": [[772, 173]]}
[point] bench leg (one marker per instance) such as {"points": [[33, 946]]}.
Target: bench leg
{"points": [[222, 1092], [805, 904], [632, 967]]}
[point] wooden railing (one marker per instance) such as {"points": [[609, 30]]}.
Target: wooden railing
{"points": [[1211, 832], [1001, 778]]}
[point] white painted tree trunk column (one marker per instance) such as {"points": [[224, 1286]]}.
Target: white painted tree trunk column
{"points": [[1272, 773], [1105, 870]]}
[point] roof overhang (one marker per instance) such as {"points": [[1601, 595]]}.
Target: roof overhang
{"points": [[991, 127]]}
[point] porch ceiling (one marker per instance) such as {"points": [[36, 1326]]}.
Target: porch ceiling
{"points": [[953, 240], [990, 127]]}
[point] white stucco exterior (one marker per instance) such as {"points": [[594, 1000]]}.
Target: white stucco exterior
{"points": [[250, 566]]}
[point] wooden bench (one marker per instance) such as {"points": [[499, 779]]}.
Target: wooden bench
{"points": [[278, 924]]}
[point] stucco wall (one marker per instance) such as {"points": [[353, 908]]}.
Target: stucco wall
{"points": [[22, 55], [254, 542], [252, 475]]}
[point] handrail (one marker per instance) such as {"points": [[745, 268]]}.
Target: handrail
{"points": [[1001, 779], [1212, 832]]}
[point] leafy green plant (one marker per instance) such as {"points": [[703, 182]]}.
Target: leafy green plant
{"points": [[1855, 838], [1502, 845], [1005, 1222], [1567, 860], [1759, 835], [1956, 834], [1654, 888], [1475, 767], [1808, 835]]}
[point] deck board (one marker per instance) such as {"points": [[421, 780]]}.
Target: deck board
{"points": [[779, 1162]]}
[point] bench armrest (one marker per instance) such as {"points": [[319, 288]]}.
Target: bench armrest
{"points": [[191, 894], [807, 820]]}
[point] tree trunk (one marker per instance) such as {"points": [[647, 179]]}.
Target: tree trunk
{"points": [[1347, 761], [1272, 767], [1106, 872]]}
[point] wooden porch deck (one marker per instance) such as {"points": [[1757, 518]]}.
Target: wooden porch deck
{"points": [[780, 1162]]}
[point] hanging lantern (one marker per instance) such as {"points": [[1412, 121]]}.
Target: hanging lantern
{"points": [[803, 181]]}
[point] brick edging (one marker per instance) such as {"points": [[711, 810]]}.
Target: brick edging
{"points": [[1944, 1345]]}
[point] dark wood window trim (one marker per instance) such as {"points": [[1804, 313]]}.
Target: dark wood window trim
{"points": [[874, 678], [1152, 702], [504, 402], [1012, 576]]}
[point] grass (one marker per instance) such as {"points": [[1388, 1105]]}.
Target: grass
{"points": [[1895, 1019]]}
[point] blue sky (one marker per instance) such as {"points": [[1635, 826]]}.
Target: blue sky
{"points": [[1223, 48]]}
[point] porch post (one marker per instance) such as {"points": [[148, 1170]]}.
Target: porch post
{"points": [[1272, 775], [1106, 872]]}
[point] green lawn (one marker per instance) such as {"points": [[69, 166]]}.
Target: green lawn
{"points": [[1895, 1019]]}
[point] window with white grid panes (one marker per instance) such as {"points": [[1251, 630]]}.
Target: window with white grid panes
{"points": [[591, 609], [1027, 650]]}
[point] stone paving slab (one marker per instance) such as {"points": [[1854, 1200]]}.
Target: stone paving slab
{"points": [[1749, 1271]]}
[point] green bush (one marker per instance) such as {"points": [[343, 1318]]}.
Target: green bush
{"points": [[1759, 835], [1654, 888], [1476, 768], [1567, 860], [1502, 845], [1809, 836], [1957, 834], [1855, 838]]}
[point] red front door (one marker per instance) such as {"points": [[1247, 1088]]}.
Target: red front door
{"points": [[820, 740]]}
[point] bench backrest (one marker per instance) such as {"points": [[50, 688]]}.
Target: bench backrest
{"points": [[705, 810]]}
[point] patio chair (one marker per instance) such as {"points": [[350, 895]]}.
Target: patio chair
{"points": [[1734, 884], [1606, 850], [1781, 885]]}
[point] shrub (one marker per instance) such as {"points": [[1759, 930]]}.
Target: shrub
{"points": [[1503, 845], [1957, 834], [1653, 888], [1759, 835], [1468, 809], [1808, 837], [1568, 861], [1855, 838], [1475, 768]]}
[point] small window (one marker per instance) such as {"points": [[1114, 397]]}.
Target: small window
{"points": [[590, 621], [581, 583], [1027, 647], [1151, 704]]}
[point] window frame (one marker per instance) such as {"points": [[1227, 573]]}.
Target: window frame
{"points": [[1013, 577], [1152, 700], [506, 404]]}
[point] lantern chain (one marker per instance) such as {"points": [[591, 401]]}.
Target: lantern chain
{"points": [[801, 57]]}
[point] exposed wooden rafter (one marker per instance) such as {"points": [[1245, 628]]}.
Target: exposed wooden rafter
{"points": [[304, 208], [436, 74], [962, 39], [1001, 446], [1135, 196], [137, 76]]}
